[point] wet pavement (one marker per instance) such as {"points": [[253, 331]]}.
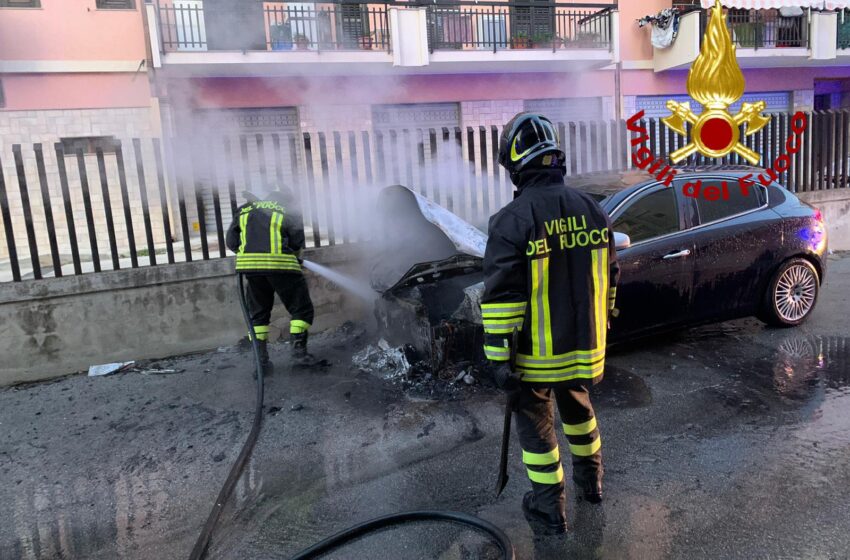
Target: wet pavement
{"points": [[727, 441]]}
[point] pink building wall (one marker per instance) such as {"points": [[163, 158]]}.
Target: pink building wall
{"points": [[71, 30], [65, 33], [32, 92]]}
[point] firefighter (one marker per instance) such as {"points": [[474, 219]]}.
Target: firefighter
{"points": [[551, 273], [267, 237]]}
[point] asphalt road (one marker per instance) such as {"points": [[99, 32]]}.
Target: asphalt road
{"points": [[728, 441]]}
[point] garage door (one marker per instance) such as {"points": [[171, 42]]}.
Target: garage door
{"points": [[656, 105], [416, 115], [567, 109]]}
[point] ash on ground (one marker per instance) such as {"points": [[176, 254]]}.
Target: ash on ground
{"points": [[402, 367]]}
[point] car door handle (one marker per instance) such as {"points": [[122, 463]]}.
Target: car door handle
{"points": [[679, 255]]}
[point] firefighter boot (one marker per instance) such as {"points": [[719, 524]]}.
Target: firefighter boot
{"points": [[265, 362], [300, 356], [591, 489], [543, 523]]}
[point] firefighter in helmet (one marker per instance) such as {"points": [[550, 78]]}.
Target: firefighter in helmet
{"points": [[267, 236], [551, 273]]}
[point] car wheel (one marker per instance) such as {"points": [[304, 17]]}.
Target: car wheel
{"points": [[792, 294]]}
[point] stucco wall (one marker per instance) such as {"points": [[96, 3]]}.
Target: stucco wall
{"points": [[835, 206], [53, 327]]}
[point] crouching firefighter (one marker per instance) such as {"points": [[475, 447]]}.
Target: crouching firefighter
{"points": [[267, 237], [550, 272]]}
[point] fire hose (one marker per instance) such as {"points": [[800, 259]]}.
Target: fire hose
{"points": [[199, 551]]}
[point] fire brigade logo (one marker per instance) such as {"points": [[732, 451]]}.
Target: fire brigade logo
{"points": [[716, 82]]}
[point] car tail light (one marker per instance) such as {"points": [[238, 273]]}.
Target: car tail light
{"points": [[818, 216]]}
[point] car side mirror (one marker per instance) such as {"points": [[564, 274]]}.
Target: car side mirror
{"points": [[621, 241]]}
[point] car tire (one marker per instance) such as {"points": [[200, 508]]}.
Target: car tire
{"points": [[791, 295]]}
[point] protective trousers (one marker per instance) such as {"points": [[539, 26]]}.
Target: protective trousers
{"points": [[291, 288], [535, 424]]}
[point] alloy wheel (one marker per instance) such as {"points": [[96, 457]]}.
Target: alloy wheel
{"points": [[795, 293]]}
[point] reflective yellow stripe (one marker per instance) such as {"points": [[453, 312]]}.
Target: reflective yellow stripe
{"points": [[267, 264], [553, 376], [243, 230], [580, 429], [280, 256], [541, 341], [586, 450], [497, 354], [499, 325], [547, 477], [261, 331], [573, 358], [502, 314], [515, 306], [600, 281], [278, 234], [297, 326], [540, 459]]}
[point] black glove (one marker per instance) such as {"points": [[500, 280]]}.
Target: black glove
{"points": [[505, 379]]}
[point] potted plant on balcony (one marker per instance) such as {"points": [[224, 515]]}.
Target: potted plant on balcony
{"points": [[302, 42], [542, 40], [280, 35], [520, 40]]}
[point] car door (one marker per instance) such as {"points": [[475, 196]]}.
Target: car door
{"points": [[657, 269], [733, 259]]}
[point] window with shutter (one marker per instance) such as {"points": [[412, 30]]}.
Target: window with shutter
{"points": [[116, 4], [20, 3]]}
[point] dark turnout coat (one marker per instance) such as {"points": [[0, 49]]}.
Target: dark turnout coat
{"points": [[550, 271], [266, 238]]}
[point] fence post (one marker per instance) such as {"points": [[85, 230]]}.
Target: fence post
{"points": [[143, 193], [48, 211], [125, 202], [84, 182], [25, 203], [7, 227], [163, 200], [69, 211]]}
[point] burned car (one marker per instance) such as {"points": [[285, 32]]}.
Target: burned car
{"points": [[685, 260], [429, 274]]}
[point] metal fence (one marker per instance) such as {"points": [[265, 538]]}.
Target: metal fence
{"points": [[518, 25], [142, 203]]}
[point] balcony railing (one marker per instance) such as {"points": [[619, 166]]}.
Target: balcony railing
{"points": [[764, 29], [189, 25], [519, 25]]}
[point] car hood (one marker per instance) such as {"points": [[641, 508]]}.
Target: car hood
{"points": [[421, 241]]}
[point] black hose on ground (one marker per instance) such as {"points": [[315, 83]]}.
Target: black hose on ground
{"points": [[347, 535], [200, 548]]}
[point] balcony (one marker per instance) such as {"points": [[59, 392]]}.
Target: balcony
{"points": [[500, 25], [222, 37], [763, 38]]}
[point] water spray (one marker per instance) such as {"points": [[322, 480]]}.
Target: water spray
{"points": [[356, 287]]}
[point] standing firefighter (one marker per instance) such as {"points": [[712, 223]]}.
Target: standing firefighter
{"points": [[550, 272], [267, 238]]}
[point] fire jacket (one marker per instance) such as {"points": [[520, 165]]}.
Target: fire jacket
{"points": [[265, 238], [551, 272]]}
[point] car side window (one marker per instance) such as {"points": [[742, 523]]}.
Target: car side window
{"points": [[651, 215], [731, 201]]}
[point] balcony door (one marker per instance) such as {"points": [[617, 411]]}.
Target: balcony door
{"points": [[534, 22], [353, 26]]}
